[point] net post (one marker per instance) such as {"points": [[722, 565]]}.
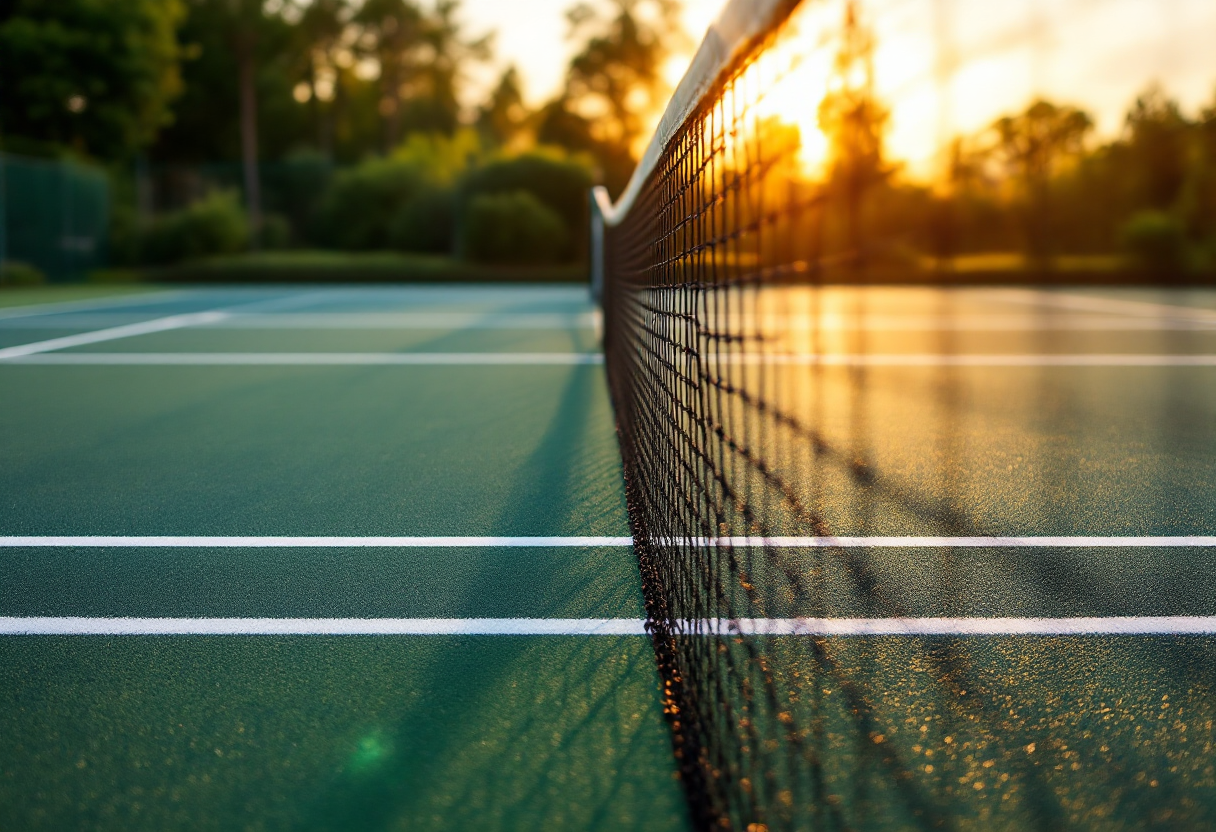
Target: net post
{"points": [[600, 205]]}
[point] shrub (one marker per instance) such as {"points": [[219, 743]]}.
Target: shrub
{"points": [[361, 205], [557, 181], [294, 188], [426, 223], [213, 225], [1155, 240], [14, 273], [445, 158], [512, 228], [275, 233]]}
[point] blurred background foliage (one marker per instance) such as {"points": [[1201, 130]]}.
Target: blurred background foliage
{"points": [[231, 125], [225, 126]]}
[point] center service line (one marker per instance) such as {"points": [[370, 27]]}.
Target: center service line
{"points": [[195, 542], [1105, 626]]}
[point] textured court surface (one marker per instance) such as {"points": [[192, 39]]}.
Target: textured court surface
{"points": [[482, 412], [319, 732]]}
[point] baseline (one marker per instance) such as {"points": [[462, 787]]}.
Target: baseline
{"points": [[821, 627], [401, 542]]}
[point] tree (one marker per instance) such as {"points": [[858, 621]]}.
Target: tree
{"points": [[614, 85], [504, 116], [391, 33], [321, 30], [1158, 139], [94, 77], [854, 120], [1203, 189], [207, 116], [1033, 146], [447, 54], [244, 19]]}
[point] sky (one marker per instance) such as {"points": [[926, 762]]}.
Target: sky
{"points": [[1096, 54], [532, 35]]}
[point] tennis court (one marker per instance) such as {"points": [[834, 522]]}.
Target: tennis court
{"points": [[335, 558], [318, 731]]}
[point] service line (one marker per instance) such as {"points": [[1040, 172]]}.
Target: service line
{"points": [[312, 359]]}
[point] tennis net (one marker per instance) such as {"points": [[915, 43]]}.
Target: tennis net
{"points": [[739, 203], [754, 436]]}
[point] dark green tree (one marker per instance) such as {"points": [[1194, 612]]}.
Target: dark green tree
{"points": [[1203, 192], [1157, 149], [614, 85], [207, 117], [391, 34], [92, 76], [855, 122], [447, 54], [1033, 147], [322, 27], [504, 116]]}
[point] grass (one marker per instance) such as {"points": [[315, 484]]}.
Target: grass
{"points": [[309, 266], [11, 296]]}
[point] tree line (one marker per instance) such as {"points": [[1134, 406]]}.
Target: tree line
{"points": [[155, 84], [349, 124], [1036, 183]]}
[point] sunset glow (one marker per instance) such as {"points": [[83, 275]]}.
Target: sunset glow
{"points": [[945, 68]]}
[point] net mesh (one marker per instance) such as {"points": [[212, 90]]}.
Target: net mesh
{"points": [[740, 350], [706, 326]]}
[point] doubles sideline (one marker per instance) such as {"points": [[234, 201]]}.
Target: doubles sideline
{"points": [[824, 627]]}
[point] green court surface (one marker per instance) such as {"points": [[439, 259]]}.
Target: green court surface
{"points": [[321, 732], [480, 415]]}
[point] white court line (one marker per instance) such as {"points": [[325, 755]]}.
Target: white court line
{"points": [[1090, 303], [410, 321], [307, 359], [833, 322], [128, 331], [964, 360], [24, 351], [995, 542], [93, 542], [304, 359], [404, 542], [323, 626], [793, 326], [1081, 626]]}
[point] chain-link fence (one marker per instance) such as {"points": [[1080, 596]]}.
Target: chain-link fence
{"points": [[54, 215]]}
